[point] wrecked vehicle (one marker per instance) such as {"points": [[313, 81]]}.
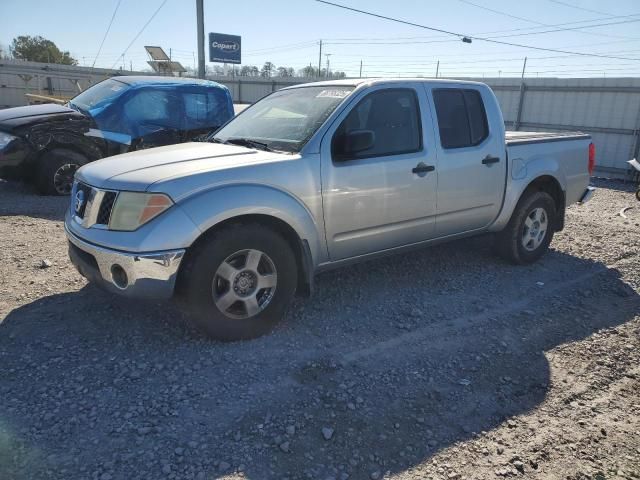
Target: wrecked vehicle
{"points": [[46, 144], [314, 177]]}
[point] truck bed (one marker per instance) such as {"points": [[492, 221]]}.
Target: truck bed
{"points": [[523, 138]]}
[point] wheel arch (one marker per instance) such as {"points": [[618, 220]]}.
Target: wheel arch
{"points": [[299, 246], [550, 185], [541, 176], [214, 208]]}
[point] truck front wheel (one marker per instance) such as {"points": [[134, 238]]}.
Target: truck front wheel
{"points": [[529, 232], [239, 282]]}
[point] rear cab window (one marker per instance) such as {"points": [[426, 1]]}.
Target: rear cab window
{"points": [[462, 119]]}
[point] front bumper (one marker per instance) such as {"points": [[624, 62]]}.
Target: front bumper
{"points": [[587, 195], [140, 275]]}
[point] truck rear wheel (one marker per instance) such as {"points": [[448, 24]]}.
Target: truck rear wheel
{"points": [[239, 282], [56, 169], [529, 232]]}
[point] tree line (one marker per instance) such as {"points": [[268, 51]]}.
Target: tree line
{"points": [[39, 49], [269, 70]]}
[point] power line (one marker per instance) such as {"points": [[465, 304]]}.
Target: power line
{"points": [[462, 36], [575, 22], [583, 8], [139, 33], [106, 33], [486, 39], [307, 43], [578, 29]]}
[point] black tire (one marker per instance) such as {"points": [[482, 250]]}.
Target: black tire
{"points": [[638, 194], [510, 242], [197, 279], [56, 169]]}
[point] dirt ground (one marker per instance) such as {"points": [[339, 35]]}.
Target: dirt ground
{"points": [[442, 364]]}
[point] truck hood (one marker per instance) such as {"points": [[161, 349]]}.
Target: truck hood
{"points": [[152, 169], [11, 118]]}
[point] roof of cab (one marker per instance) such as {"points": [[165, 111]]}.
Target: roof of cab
{"points": [[158, 80], [356, 82]]}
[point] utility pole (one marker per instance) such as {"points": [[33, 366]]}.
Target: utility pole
{"points": [[523, 68], [328, 69], [360, 76], [131, 65], [200, 29], [437, 68], [320, 60]]}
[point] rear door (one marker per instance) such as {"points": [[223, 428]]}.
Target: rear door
{"points": [[471, 158], [385, 196], [205, 110]]}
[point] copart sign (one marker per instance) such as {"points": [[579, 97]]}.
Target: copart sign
{"points": [[224, 48]]}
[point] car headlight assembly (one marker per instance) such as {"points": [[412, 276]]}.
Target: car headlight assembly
{"points": [[134, 209], [6, 139]]}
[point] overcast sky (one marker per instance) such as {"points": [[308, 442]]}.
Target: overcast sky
{"points": [[287, 33]]}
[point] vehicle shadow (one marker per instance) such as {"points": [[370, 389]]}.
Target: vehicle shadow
{"points": [[113, 383], [615, 184], [21, 199]]}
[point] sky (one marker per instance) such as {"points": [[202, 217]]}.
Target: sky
{"points": [[287, 33]]}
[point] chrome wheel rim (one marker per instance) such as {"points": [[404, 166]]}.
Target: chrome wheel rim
{"points": [[535, 229], [244, 284], [63, 178]]}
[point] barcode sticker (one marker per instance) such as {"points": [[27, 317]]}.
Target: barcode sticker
{"points": [[333, 93]]}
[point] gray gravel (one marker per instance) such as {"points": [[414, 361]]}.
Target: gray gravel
{"points": [[445, 364]]}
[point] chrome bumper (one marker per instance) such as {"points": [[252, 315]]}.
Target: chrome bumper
{"points": [[586, 196], [148, 275]]}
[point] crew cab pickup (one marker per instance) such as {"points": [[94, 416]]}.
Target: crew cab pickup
{"points": [[313, 177], [47, 143]]}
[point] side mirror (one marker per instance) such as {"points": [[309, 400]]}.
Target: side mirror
{"points": [[354, 142]]}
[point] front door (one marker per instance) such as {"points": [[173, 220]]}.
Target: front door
{"points": [[385, 195], [471, 160]]}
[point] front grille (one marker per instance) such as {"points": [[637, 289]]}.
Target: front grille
{"points": [[104, 213]]}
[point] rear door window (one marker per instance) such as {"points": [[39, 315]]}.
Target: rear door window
{"points": [[477, 116], [205, 109], [462, 120]]}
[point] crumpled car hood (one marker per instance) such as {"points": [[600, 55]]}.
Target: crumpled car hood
{"points": [[11, 118], [150, 170]]}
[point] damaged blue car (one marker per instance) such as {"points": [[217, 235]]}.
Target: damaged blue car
{"points": [[46, 144]]}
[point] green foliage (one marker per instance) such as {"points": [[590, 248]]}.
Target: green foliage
{"points": [[39, 49]]}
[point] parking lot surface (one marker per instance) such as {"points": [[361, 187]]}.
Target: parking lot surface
{"points": [[445, 363]]}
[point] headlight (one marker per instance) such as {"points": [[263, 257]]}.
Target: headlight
{"points": [[132, 209], [6, 139]]}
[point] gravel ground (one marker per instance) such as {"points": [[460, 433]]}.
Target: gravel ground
{"points": [[441, 364]]}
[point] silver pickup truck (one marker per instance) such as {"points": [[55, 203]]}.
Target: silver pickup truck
{"points": [[314, 177]]}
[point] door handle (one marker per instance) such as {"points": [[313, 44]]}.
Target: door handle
{"points": [[423, 168], [488, 160]]}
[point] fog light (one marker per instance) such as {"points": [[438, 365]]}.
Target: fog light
{"points": [[119, 276]]}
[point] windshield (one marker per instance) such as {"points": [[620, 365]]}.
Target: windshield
{"points": [[94, 99], [284, 120]]}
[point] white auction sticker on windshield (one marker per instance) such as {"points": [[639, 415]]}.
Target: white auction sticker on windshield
{"points": [[333, 93]]}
